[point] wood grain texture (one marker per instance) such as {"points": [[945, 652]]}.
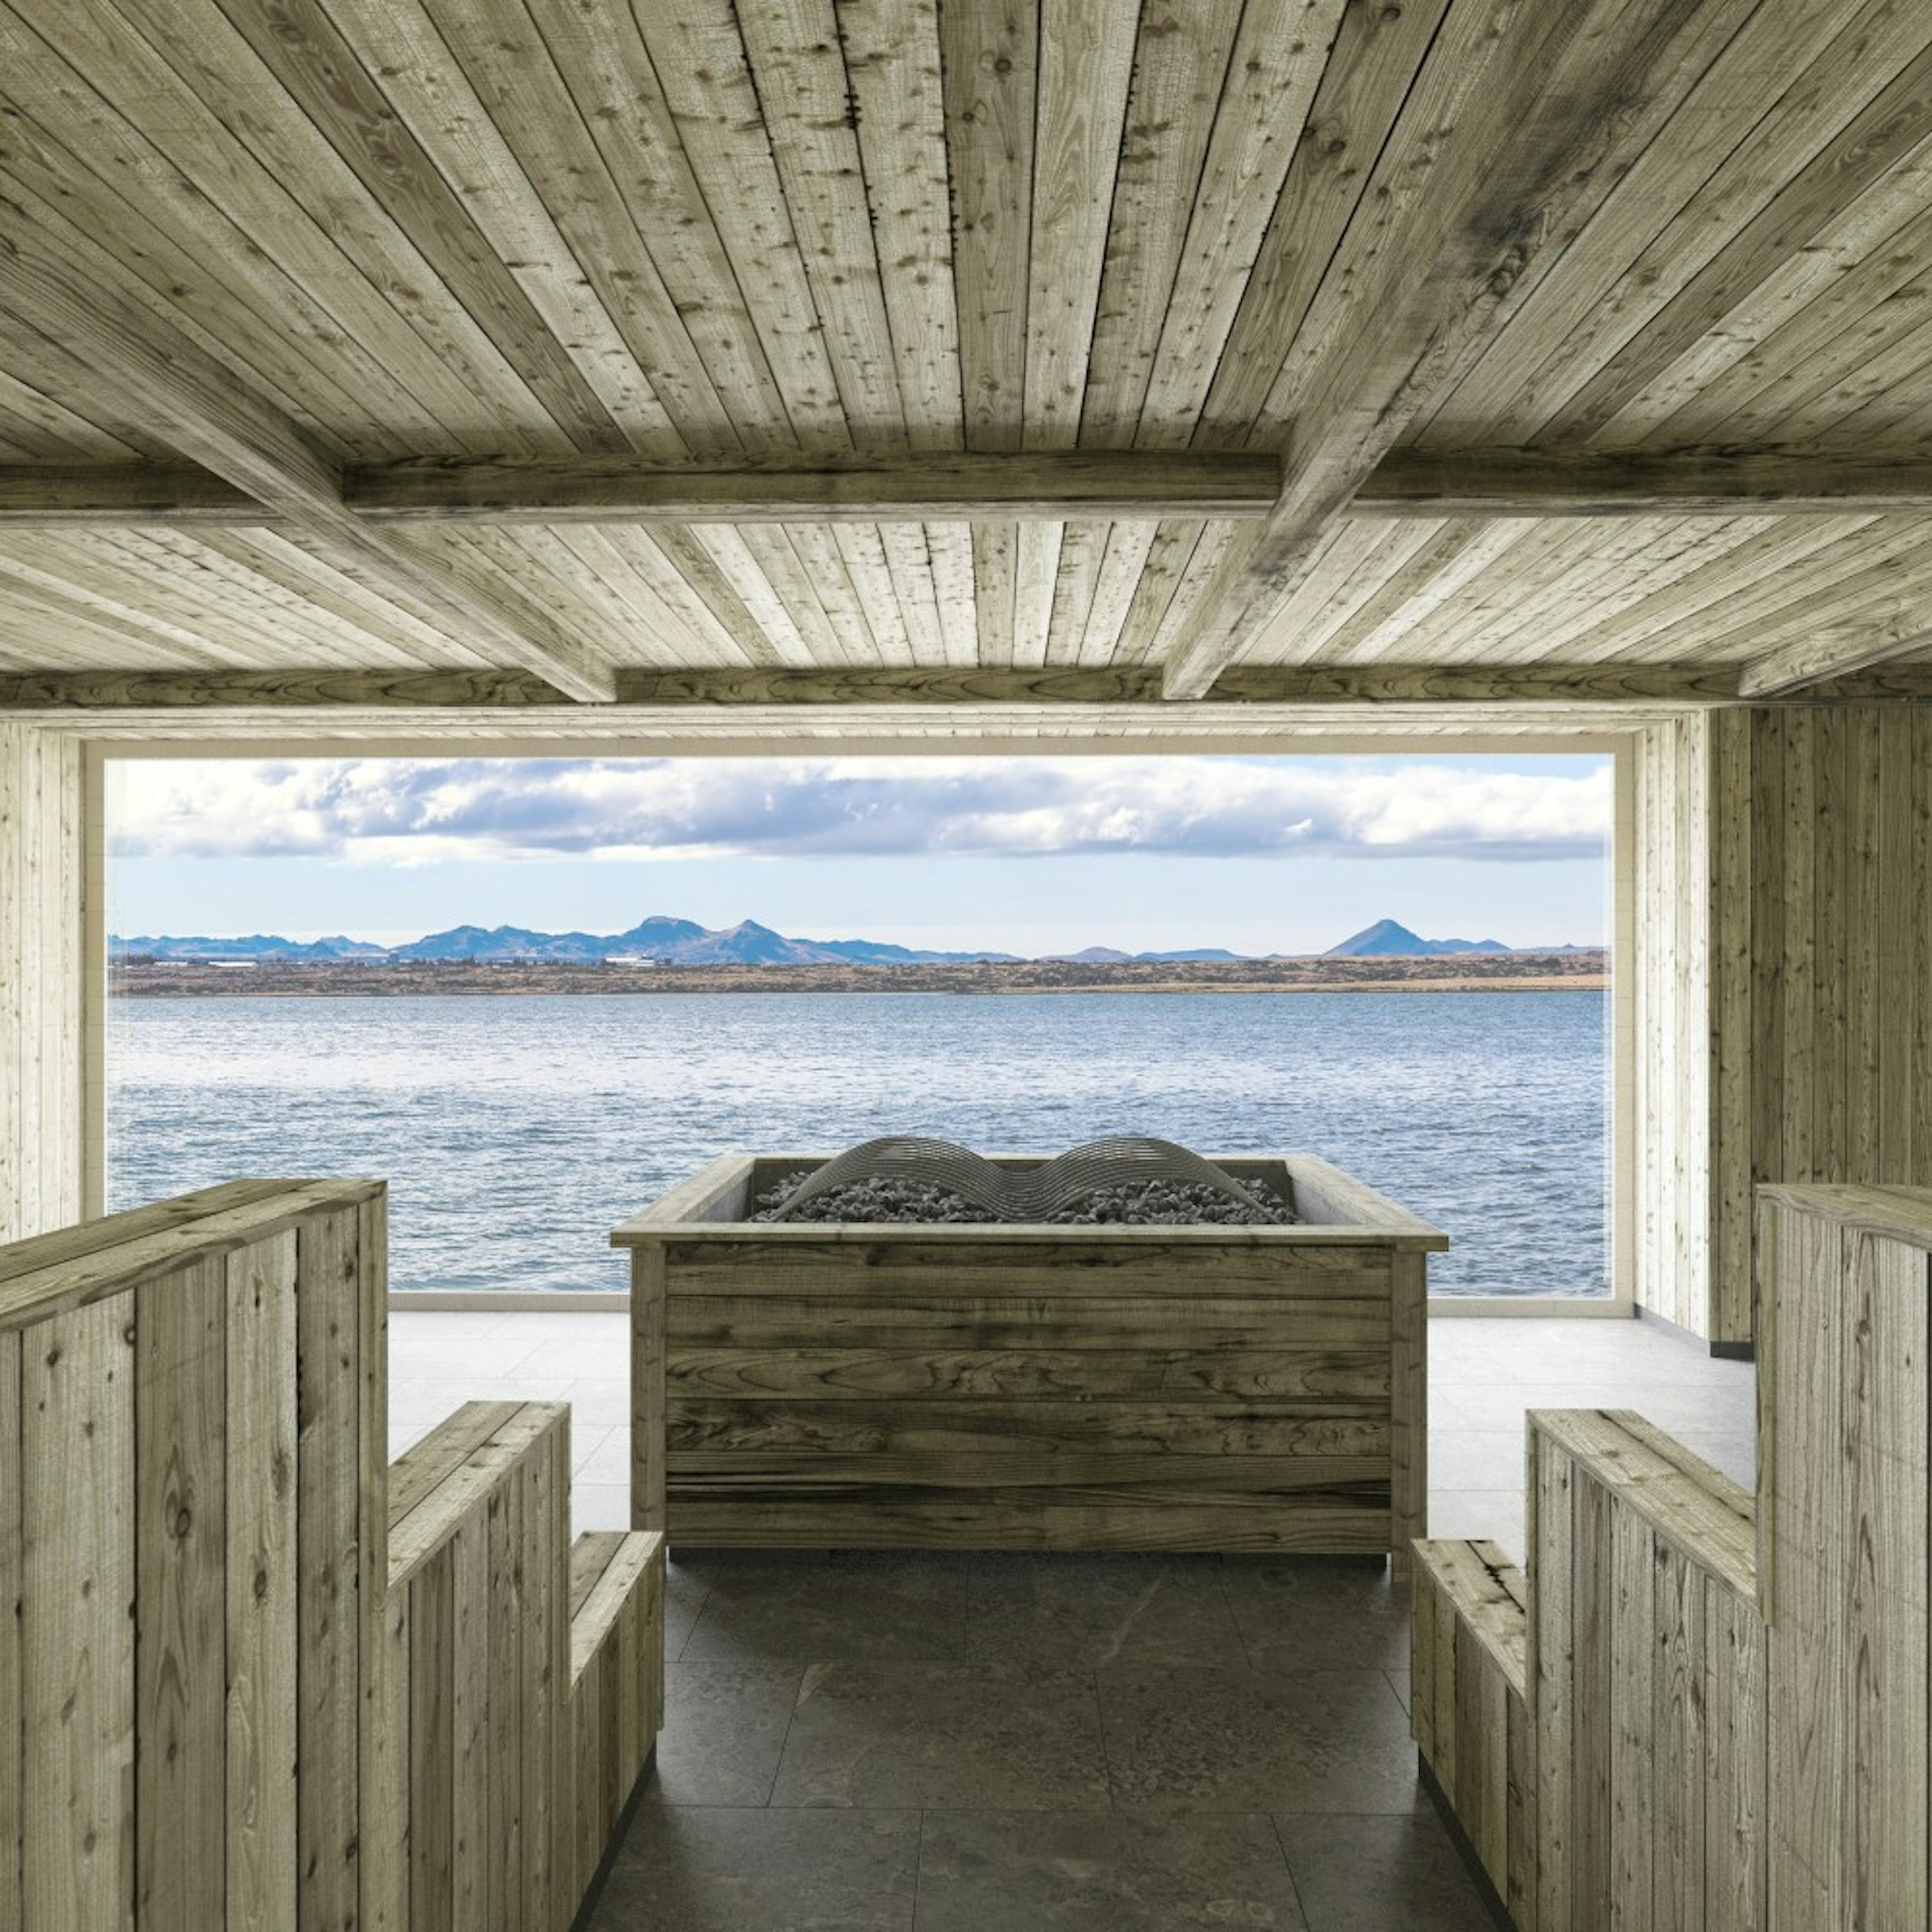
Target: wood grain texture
{"points": [[1541, 483], [1582, 689], [41, 1087], [12, 1584], [1030, 1387], [180, 1652], [1469, 1712], [245, 1704], [1817, 862], [77, 1716], [1617, 264]]}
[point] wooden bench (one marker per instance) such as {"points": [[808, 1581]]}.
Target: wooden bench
{"points": [[263, 1677], [478, 1515], [1468, 1711]]}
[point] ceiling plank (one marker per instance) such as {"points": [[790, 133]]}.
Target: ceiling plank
{"points": [[1557, 686], [1837, 653], [1724, 482], [197, 406], [1521, 120]]}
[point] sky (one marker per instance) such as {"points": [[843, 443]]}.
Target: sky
{"points": [[1028, 855]]}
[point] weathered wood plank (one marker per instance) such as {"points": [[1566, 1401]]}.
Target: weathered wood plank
{"points": [[1552, 1539], [649, 1299], [1408, 1406], [329, 1609], [507, 1843], [261, 1594], [1680, 1742], [1735, 1835], [1274, 1429], [13, 1481], [1885, 1396], [76, 1640], [1181, 1376], [1548, 483], [180, 1635], [434, 1685], [386, 1769], [284, 697], [1034, 1518], [471, 1739], [1067, 1269]]}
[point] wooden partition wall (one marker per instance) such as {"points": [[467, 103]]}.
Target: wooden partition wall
{"points": [[263, 1680], [1784, 1014], [1727, 1725]]}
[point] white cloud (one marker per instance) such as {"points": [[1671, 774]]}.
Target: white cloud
{"points": [[408, 811]]}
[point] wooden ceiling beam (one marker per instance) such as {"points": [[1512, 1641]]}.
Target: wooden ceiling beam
{"points": [[1797, 669], [183, 397], [1521, 120], [1419, 687], [1053, 486], [1541, 483], [1050, 487]]}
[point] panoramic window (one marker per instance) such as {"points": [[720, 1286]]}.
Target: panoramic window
{"points": [[534, 994]]}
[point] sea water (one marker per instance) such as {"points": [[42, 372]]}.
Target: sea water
{"points": [[515, 1130]]}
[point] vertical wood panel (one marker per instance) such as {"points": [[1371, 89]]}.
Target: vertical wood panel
{"points": [[1422, 1611], [1552, 1663], [77, 1646], [542, 1583], [328, 1476], [1408, 1398], [468, 1615], [1734, 841], [180, 1657], [385, 1758], [1882, 1839], [1634, 1792], [1679, 1743], [504, 1902], [261, 1585], [12, 1474], [647, 1388], [434, 1779], [1735, 1837], [42, 875], [1592, 1728]]}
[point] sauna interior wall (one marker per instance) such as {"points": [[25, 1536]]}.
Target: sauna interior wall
{"points": [[42, 947], [1819, 906]]}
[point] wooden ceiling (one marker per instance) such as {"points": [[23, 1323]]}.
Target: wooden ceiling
{"points": [[1239, 347]]}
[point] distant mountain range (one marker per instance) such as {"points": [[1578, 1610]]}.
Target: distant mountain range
{"points": [[659, 940]]}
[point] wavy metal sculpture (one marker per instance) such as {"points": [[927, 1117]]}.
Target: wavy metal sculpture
{"points": [[1129, 1161]]}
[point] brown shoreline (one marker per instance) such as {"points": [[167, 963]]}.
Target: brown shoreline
{"points": [[1513, 973]]}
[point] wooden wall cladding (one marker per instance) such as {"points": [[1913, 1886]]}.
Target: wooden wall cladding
{"points": [[42, 1110], [345, 1696], [1822, 904], [1783, 1010], [1671, 969], [1034, 1388]]}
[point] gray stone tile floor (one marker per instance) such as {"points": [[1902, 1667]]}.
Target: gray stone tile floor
{"points": [[927, 1743]]}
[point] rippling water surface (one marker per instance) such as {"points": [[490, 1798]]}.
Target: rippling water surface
{"points": [[515, 1130]]}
